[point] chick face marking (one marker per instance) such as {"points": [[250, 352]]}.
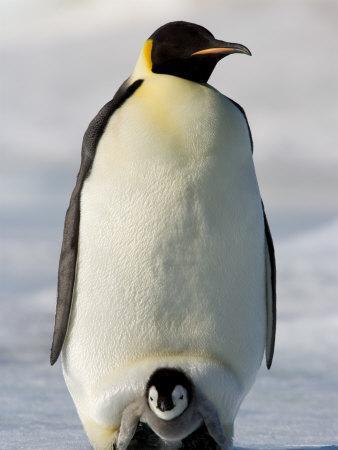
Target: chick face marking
{"points": [[168, 393], [168, 407]]}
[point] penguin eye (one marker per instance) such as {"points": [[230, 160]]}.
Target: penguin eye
{"points": [[151, 399], [181, 397]]}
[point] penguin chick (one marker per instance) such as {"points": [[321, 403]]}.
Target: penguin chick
{"points": [[168, 392], [173, 408]]}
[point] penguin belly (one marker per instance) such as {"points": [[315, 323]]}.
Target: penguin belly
{"points": [[171, 243]]}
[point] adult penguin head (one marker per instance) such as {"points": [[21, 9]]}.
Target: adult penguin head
{"points": [[187, 50]]}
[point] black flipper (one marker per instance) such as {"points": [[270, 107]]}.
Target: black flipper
{"points": [[270, 264], [246, 119], [68, 257]]}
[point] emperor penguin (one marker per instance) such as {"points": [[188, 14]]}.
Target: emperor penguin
{"points": [[167, 259]]}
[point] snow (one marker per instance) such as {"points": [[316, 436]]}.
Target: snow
{"points": [[61, 60]]}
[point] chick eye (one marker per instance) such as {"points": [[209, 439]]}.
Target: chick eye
{"points": [[151, 399], [181, 397]]}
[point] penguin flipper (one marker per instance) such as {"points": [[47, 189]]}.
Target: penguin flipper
{"points": [[270, 265], [212, 422], [129, 423], [69, 249]]}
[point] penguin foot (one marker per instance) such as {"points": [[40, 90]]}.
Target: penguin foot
{"points": [[146, 439], [200, 440]]}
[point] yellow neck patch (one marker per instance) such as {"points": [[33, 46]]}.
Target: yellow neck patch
{"points": [[144, 63], [147, 53]]}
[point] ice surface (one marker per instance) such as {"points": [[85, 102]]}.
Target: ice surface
{"points": [[61, 60]]}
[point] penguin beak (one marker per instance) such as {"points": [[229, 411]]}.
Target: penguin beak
{"points": [[165, 405], [222, 48]]}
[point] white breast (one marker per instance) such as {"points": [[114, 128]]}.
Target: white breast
{"points": [[171, 248]]}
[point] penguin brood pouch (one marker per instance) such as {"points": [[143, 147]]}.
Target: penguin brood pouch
{"points": [[167, 278]]}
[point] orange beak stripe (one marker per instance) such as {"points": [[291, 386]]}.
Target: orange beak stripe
{"points": [[209, 51]]}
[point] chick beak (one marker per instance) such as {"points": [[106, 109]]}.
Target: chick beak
{"points": [[165, 405], [222, 48]]}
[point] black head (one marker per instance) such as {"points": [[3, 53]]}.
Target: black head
{"points": [[169, 392], [188, 51]]}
